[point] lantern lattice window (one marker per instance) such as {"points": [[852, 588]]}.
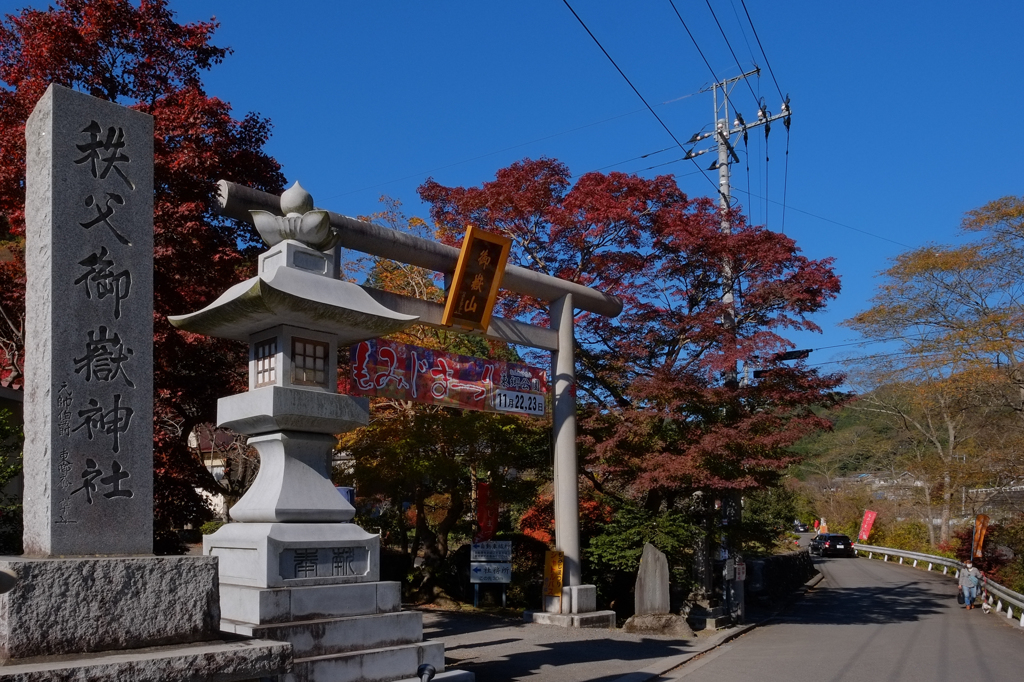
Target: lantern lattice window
{"points": [[266, 362], [309, 362]]}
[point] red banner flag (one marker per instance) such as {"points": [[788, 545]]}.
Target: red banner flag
{"points": [[486, 513], [980, 526], [865, 525]]}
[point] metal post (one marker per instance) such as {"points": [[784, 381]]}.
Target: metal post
{"points": [[567, 504]]}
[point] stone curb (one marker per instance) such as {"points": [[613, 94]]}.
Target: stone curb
{"points": [[670, 663]]}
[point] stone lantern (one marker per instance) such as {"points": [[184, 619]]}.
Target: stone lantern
{"points": [[293, 556]]}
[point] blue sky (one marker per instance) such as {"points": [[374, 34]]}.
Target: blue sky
{"points": [[904, 113]]}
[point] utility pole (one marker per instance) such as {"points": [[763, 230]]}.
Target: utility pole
{"points": [[731, 506]]}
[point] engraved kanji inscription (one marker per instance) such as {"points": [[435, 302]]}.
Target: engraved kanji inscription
{"points": [[101, 279], [114, 481], [89, 476], [117, 475], [104, 154], [306, 563], [65, 507], [64, 399], [104, 357], [64, 467], [104, 214], [113, 422], [342, 560]]}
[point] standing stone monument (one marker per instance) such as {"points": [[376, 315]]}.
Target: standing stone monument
{"points": [[90, 601], [293, 567], [89, 299], [651, 598]]}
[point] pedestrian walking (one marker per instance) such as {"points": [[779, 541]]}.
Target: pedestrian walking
{"points": [[969, 580]]}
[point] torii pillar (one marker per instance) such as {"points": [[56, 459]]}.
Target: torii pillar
{"points": [[577, 607], [566, 483]]}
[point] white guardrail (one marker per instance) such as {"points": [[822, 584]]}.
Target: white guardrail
{"points": [[997, 596]]}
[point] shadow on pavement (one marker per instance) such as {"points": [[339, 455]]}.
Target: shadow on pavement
{"points": [[610, 658], [910, 601], [500, 649]]}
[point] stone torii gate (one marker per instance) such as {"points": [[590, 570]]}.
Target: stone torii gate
{"points": [[563, 297]]}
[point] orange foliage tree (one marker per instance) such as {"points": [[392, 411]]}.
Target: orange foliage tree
{"points": [[957, 312]]}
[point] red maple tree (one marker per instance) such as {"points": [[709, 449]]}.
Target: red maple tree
{"points": [[139, 56], [660, 418]]}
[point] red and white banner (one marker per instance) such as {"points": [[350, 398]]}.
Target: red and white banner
{"points": [[865, 525], [404, 372]]}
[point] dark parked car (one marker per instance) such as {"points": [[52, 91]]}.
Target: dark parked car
{"points": [[799, 527], [832, 544]]}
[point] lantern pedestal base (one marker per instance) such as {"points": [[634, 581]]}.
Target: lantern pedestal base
{"points": [[294, 554]]}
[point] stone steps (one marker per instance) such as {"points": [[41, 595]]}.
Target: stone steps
{"points": [[327, 636], [353, 632], [263, 605], [380, 665]]}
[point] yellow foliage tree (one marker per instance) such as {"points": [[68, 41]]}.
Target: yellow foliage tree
{"points": [[958, 313]]}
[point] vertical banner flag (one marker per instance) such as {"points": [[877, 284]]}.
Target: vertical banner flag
{"points": [[980, 526], [865, 525], [486, 513]]}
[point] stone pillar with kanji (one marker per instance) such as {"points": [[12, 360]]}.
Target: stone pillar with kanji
{"points": [[89, 600]]}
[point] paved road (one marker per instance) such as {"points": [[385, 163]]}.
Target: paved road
{"points": [[504, 649], [873, 622]]}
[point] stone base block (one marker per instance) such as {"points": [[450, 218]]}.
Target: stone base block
{"points": [[574, 599], [594, 619], [294, 554], [256, 606], [89, 604], [373, 665], [338, 635], [669, 624], [708, 622], [583, 598], [217, 661]]}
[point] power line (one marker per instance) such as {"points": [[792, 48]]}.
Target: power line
{"points": [[700, 51], [729, 45], [505, 149], [635, 158], [905, 337], [694, 41], [630, 83], [836, 222], [871, 357], [732, 3], [761, 47]]}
